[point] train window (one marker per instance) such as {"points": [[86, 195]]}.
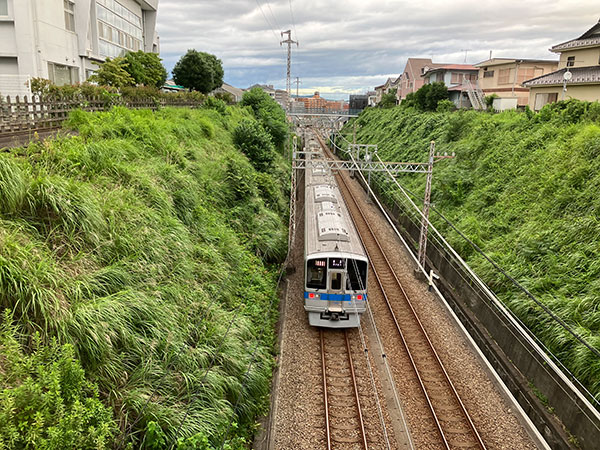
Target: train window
{"points": [[357, 274], [336, 281], [336, 263], [316, 274]]}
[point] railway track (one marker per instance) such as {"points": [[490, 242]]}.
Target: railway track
{"points": [[449, 417], [344, 420]]}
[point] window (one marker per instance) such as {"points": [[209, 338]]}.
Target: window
{"points": [[60, 74], [488, 74], [336, 281], [3, 7], [525, 74], [457, 78], [440, 76], [357, 275], [570, 61], [69, 15], [316, 274], [544, 99], [504, 76]]}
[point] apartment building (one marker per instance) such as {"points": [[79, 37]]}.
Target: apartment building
{"points": [[61, 39]]}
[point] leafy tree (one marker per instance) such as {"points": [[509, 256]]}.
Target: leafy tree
{"points": [[388, 100], [199, 71], [428, 97], [113, 72], [269, 113], [146, 68]]}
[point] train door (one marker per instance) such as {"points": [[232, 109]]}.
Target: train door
{"points": [[336, 290]]}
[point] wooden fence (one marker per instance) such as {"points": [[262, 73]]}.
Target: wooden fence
{"points": [[20, 115]]}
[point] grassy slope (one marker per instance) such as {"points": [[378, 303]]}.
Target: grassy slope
{"points": [[525, 188], [137, 243]]}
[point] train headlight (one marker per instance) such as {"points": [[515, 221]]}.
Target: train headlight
{"points": [[359, 297], [311, 295]]}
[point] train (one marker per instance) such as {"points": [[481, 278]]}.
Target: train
{"points": [[336, 265]]}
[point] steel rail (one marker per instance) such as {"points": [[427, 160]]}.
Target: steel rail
{"points": [[328, 426], [478, 441], [325, 398], [360, 415]]}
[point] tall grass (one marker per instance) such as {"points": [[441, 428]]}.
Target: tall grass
{"points": [[524, 187], [134, 244]]}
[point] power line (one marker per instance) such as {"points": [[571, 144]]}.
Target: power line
{"points": [[267, 20], [273, 15], [293, 21]]}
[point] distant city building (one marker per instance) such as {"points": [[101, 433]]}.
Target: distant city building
{"points": [[579, 57], [61, 39], [359, 102]]}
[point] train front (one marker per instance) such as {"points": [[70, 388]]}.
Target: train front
{"points": [[335, 290]]}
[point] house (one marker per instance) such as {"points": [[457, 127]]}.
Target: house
{"points": [[358, 102], [504, 77], [268, 88], [236, 93], [61, 39], [389, 85], [171, 86], [411, 79], [578, 74], [461, 81]]}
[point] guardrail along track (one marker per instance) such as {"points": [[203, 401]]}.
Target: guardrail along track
{"points": [[450, 418], [343, 415]]}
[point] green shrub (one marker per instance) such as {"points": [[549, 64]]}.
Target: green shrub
{"points": [[45, 400], [251, 138], [445, 106]]}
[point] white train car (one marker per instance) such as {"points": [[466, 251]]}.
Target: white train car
{"points": [[335, 262]]}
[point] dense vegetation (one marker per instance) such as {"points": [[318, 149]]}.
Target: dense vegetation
{"points": [[524, 187], [138, 270]]}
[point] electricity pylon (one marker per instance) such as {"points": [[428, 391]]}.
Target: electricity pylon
{"points": [[289, 43]]}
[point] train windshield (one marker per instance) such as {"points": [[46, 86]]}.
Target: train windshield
{"points": [[357, 275], [316, 274]]}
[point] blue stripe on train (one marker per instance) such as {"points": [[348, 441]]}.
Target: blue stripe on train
{"points": [[335, 297]]}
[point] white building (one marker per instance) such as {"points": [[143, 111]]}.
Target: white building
{"points": [[60, 39]]}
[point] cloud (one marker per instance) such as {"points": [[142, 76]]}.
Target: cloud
{"points": [[349, 46]]}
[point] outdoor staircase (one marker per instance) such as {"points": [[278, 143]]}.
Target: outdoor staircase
{"points": [[475, 95]]}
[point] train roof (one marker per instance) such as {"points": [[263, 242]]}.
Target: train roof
{"points": [[328, 225]]}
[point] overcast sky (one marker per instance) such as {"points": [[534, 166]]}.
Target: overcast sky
{"points": [[350, 46]]}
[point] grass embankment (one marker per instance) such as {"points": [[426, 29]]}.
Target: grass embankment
{"points": [[138, 263], [524, 187]]}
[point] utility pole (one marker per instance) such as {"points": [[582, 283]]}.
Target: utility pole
{"points": [[289, 43], [298, 83], [427, 202]]}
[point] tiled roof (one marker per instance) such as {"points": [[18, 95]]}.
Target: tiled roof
{"points": [[580, 75], [590, 38], [575, 43]]}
